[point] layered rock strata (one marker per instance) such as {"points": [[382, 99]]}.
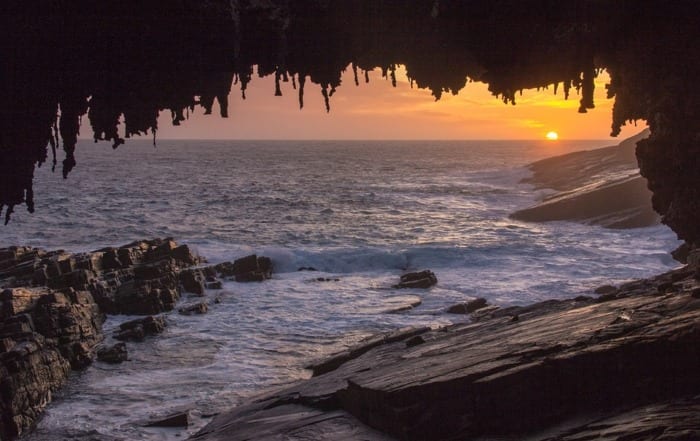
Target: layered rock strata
{"points": [[554, 370], [138, 278], [52, 305], [44, 334]]}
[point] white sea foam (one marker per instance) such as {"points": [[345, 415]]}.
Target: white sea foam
{"points": [[361, 213]]}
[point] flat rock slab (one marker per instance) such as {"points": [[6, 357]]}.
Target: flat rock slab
{"points": [[513, 372]]}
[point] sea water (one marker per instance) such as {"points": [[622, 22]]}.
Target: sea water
{"points": [[359, 212]]}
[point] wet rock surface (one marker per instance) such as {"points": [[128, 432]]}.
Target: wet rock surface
{"points": [[421, 279], [138, 278], [625, 368], [139, 329], [52, 306], [113, 354], [44, 334], [251, 268]]}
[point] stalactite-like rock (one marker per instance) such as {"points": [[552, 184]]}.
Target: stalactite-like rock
{"points": [[134, 59]]}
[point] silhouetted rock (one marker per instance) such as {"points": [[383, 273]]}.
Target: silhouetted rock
{"points": [[113, 354], [422, 279]]}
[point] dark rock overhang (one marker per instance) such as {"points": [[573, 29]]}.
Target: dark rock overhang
{"points": [[64, 59]]}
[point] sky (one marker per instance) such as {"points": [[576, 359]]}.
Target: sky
{"points": [[376, 110]]}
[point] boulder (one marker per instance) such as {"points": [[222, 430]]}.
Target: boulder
{"points": [[113, 354], [422, 279], [247, 269], [197, 308], [137, 330], [192, 281], [469, 307]]}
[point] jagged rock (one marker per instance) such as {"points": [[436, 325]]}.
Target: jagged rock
{"points": [[43, 335], [247, 269], [197, 308], [469, 307], [47, 330], [193, 281], [137, 330], [422, 279], [113, 354]]}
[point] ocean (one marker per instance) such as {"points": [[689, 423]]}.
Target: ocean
{"points": [[361, 212]]}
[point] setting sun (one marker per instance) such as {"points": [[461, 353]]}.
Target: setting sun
{"points": [[552, 136]]}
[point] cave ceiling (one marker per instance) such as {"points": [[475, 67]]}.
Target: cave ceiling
{"points": [[65, 60]]}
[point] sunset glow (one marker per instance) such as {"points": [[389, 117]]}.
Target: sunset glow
{"points": [[376, 110], [552, 136]]}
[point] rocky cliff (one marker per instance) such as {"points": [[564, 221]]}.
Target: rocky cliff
{"points": [[52, 306], [64, 60]]}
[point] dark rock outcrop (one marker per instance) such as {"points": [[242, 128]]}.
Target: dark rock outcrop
{"points": [[197, 308], [247, 269], [193, 281], [51, 311], [138, 278], [44, 334], [422, 279], [137, 330], [113, 354], [562, 370]]}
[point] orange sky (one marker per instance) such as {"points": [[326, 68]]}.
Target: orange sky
{"points": [[379, 111]]}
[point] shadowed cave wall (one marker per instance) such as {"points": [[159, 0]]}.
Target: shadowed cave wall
{"points": [[64, 60]]}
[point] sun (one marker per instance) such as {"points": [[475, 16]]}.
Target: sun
{"points": [[552, 136]]}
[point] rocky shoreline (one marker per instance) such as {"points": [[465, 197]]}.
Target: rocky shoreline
{"points": [[597, 187], [620, 364], [53, 305]]}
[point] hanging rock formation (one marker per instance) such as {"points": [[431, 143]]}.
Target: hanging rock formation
{"points": [[67, 60]]}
